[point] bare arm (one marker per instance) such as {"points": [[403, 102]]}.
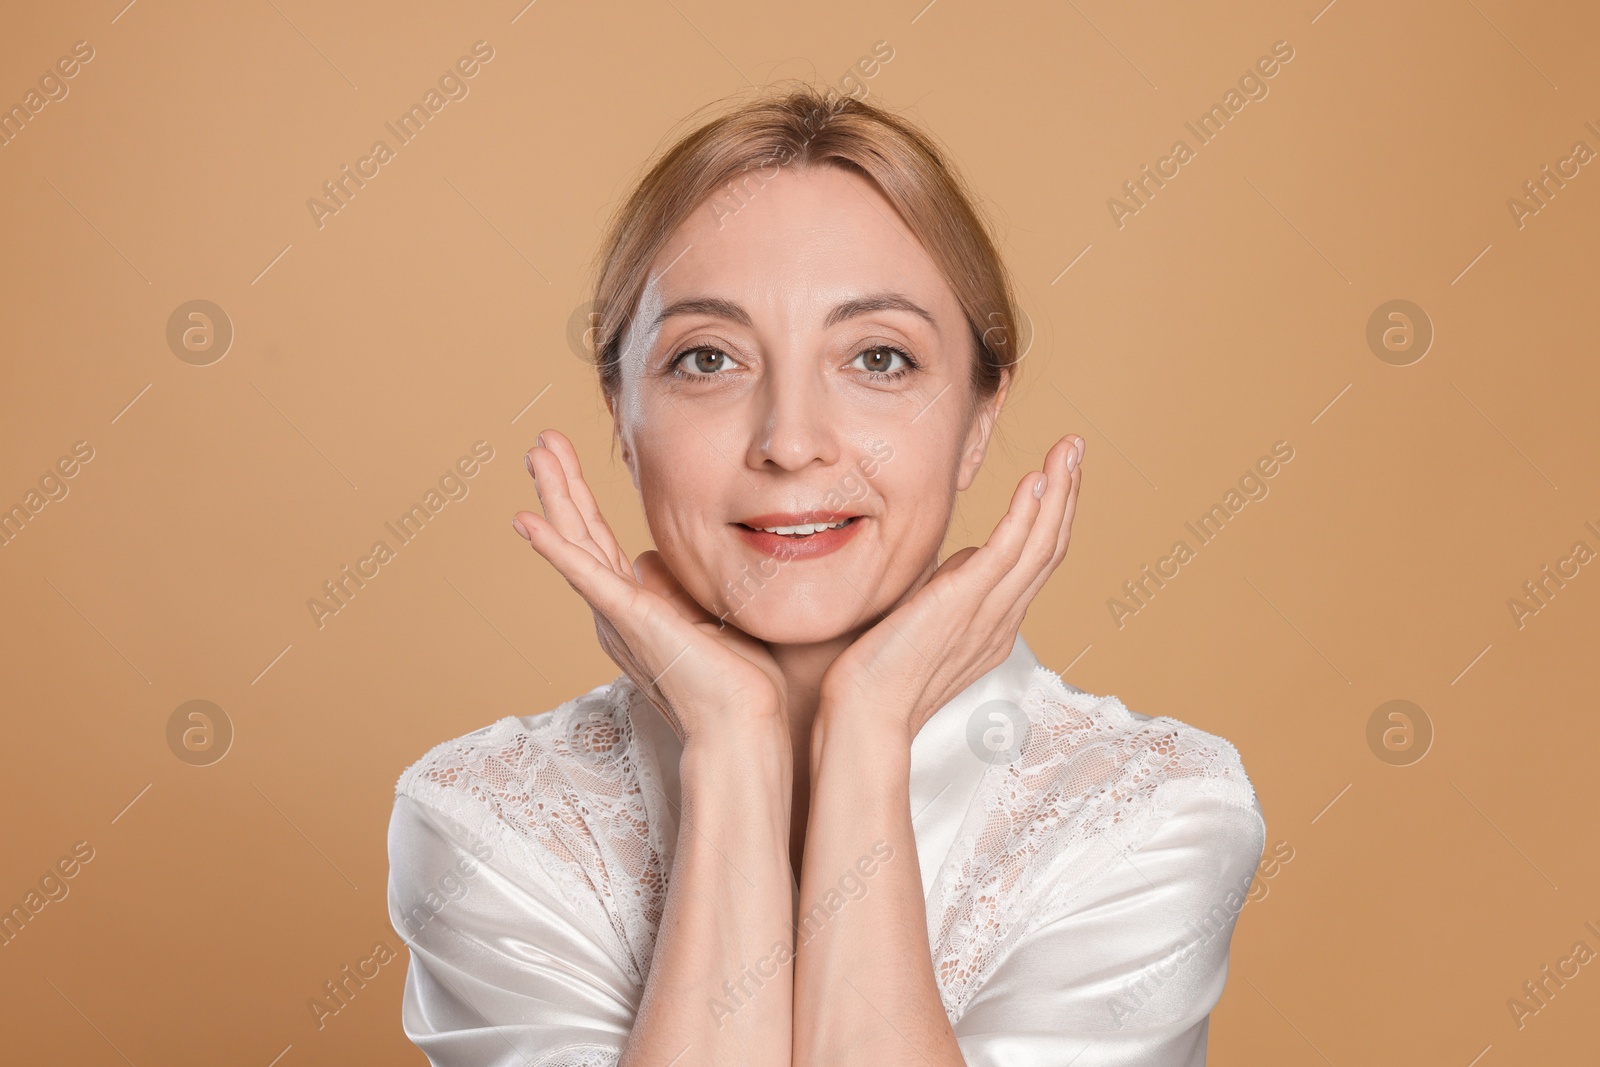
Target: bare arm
{"points": [[864, 985], [720, 986]]}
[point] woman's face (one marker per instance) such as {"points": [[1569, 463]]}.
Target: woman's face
{"points": [[799, 360]]}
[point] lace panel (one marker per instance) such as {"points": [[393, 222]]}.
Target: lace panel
{"points": [[582, 1056], [1090, 784], [570, 790]]}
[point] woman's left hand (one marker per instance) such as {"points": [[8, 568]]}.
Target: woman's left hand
{"points": [[963, 622]]}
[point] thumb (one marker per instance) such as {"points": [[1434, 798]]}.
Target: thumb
{"points": [[954, 561], [654, 574]]}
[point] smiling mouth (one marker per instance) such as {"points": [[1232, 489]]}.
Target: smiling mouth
{"points": [[798, 531], [792, 536]]}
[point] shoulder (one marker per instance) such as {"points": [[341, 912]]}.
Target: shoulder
{"points": [[1114, 780], [558, 800], [521, 772], [1050, 847], [1151, 757]]}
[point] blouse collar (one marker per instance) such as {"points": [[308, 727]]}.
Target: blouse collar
{"points": [[957, 744]]}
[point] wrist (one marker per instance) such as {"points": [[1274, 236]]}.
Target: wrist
{"points": [[856, 734], [736, 800], [740, 757]]}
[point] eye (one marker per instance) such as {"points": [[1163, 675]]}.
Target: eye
{"points": [[705, 361], [880, 361]]}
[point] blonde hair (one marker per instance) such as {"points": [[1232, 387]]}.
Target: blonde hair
{"points": [[802, 126]]}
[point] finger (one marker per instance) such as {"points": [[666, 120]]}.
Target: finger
{"points": [[1071, 510], [1063, 536], [1021, 545], [583, 498], [655, 576], [595, 579], [999, 554], [555, 493], [943, 589], [649, 625], [956, 559], [1039, 551], [964, 582]]}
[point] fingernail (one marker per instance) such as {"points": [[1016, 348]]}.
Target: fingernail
{"points": [[538, 442], [1038, 486], [1072, 458], [517, 526]]}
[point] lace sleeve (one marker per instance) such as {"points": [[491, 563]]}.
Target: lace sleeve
{"points": [[581, 1056], [566, 792], [1126, 975], [503, 882], [1091, 784]]}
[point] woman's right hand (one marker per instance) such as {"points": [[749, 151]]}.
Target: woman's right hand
{"points": [[701, 675]]}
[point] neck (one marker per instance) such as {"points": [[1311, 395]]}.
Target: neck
{"points": [[803, 666]]}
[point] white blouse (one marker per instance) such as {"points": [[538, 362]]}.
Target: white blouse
{"points": [[1083, 866]]}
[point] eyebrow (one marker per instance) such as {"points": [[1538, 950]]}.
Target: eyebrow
{"points": [[727, 309]]}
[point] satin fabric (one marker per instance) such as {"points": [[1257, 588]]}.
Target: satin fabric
{"points": [[508, 968]]}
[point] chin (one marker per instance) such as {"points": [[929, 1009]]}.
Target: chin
{"points": [[777, 622]]}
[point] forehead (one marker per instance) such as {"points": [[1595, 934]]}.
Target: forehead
{"points": [[807, 238]]}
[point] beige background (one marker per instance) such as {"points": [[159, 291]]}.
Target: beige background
{"points": [[1228, 314]]}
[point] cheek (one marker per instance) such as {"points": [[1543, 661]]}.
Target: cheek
{"points": [[676, 503], [917, 497], [921, 468], [680, 509]]}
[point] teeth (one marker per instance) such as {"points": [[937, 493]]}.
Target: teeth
{"points": [[804, 531]]}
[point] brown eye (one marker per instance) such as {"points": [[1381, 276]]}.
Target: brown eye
{"points": [[700, 362], [880, 360]]}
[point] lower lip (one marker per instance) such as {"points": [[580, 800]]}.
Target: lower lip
{"points": [[792, 548]]}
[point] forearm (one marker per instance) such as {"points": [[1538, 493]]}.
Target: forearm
{"points": [[865, 992], [720, 987]]}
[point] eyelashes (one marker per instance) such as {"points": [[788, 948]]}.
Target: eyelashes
{"points": [[895, 351], [674, 365], [907, 362]]}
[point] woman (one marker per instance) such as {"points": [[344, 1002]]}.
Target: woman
{"points": [[833, 811]]}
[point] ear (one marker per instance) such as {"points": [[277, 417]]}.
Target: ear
{"points": [[616, 431], [633, 468], [976, 445]]}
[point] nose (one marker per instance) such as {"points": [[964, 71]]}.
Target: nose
{"points": [[793, 424]]}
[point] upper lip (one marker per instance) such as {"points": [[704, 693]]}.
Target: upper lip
{"points": [[795, 518]]}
